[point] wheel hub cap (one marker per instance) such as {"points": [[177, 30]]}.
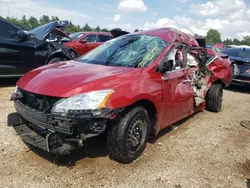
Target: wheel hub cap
{"points": [[135, 135]]}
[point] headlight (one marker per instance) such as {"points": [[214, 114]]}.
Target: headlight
{"points": [[86, 101], [15, 94]]}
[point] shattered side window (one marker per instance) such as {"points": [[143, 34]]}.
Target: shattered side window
{"points": [[127, 51]]}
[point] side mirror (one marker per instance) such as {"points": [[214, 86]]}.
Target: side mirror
{"points": [[83, 41], [22, 35]]}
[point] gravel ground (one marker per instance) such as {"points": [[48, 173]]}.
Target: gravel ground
{"points": [[205, 150]]}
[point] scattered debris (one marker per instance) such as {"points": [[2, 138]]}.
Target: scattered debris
{"points": [[245, 124]]}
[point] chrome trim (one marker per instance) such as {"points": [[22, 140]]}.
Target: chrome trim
{"points": [[186, 68], [243, 81], [11, 76], [164, 79], [186, 81], [212, 60], [7, 66]]}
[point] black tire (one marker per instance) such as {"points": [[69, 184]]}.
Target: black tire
{"points": [[128, 138], [214, 98], [73, 54], [55, 60]]}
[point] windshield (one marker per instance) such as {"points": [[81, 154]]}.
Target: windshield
{"points": [[126, 51], [76, 35]]}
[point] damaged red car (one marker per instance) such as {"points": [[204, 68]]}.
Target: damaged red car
{"points": [[129, 88]]}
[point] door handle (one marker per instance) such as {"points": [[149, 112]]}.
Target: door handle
{"points": [[164, 78], [186, 81]]}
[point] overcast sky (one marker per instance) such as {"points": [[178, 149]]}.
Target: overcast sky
{"points": [[230, 17]]}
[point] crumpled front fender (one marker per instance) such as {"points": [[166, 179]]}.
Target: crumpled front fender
{"points": [[221, 70]]}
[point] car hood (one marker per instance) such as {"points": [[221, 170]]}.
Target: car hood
{"points": [[69, 78], [45, 30]]}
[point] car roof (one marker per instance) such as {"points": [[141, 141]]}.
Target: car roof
{"points": [[169, 35], [96, 32], [237, 49]]}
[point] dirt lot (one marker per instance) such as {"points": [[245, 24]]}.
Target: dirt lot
{"points": [[206, 150]]}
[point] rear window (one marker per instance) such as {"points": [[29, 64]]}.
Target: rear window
{"points": [[104, 38], [238, 52]]}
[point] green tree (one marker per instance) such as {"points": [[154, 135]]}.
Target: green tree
{"points": [[86, 28], [33, 22], [44, 19], [97, 29], [236, 42], [104, 30], [72, 28], [228, 42], [136, 30], [24, 23], [79, 28], [213, 36], [246, 40], [54, 18], [13, 20]]}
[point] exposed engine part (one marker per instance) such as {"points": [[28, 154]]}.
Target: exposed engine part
{"points": [[199, 79]]}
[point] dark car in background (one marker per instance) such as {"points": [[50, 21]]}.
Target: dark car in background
{"points": [[22, 51], [240, 58], [83, 42]]}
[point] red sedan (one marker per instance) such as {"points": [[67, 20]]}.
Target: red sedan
{"points": [[130, 88], [83, 42]]}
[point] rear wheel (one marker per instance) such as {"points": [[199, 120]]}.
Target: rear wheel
{"points": [[128, 138], [214, 98]]}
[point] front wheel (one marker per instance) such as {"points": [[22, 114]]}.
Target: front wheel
{"points": [[128, 138], [214, 98], [73, 55]]}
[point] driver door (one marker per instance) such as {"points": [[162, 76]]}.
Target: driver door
{"points": [[87, 43], [178, 97]]}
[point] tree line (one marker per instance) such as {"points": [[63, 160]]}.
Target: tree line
{"points": [[212, 36], [32, 22]]}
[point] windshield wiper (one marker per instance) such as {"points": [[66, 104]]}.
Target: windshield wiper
{"points": [[123, 45]]}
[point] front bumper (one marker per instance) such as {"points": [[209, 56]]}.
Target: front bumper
{"points": [[45, 140], [58, 134]]}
